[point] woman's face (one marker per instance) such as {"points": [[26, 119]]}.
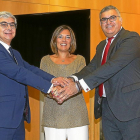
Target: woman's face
{"points": [[64, 40]]}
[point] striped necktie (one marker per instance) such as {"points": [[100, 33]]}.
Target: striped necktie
{"points": [[12, 54]]}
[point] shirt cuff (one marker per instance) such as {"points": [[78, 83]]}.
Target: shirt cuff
{"points": [[52, 79], [84, 85], [50, 89], [75, 77]]}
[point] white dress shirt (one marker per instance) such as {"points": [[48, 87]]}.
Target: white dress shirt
{"points": [[5, 46]]}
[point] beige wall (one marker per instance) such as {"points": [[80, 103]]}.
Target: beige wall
{"points": [[130, 12]]}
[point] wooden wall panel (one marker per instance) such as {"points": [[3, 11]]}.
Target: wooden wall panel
{"points": [[61, 8], [127, 6], [96, 34], [67, 3], [97, 4], [131, 22], [18, 8], [36, 1], [31, 1], [90, 4]]}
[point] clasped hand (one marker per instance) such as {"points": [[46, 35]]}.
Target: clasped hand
{"points": [[63, 88]]}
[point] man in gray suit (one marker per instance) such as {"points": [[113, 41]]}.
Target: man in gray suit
{"points": [[119, 103]]}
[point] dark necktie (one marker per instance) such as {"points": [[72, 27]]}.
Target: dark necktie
{"points": [[103, 61], [12, 54]]}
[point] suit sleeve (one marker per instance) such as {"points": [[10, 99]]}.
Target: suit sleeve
{"points": [[26, 74], [38, 71], [128, 49], [88, 69]]}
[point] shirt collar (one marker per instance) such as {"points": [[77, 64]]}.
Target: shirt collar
{"points": [[113, 36], [5, 45]]}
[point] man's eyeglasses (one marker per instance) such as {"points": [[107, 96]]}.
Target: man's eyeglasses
{"points": [[111, 19], [5, 25]]}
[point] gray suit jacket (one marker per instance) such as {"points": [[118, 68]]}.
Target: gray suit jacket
{"points": [[120, 75]]}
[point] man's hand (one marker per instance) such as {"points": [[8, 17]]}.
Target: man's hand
{"points": [[60, 81], [62, 94], [54, 92]]}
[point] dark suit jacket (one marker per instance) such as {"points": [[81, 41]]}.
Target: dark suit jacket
{"points": [[120, 75], [14, 79]]}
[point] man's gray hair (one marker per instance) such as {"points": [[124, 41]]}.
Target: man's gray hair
{"points": [[5, 14], [107, 8]]}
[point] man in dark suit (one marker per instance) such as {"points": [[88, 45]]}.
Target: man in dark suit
{"points": [[117, 100], [15, 75]]}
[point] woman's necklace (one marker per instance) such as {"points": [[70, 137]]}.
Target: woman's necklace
{"points": [[63, 59]]}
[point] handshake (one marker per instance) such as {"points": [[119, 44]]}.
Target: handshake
{"points": [[64, 88]]}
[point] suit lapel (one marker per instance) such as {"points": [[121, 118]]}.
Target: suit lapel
{"points": [[114, 42], [6, 52], [102, 45], [100, 51]]}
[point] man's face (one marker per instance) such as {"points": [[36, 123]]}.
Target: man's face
{"points": [[7, 33], [111, 28]]}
